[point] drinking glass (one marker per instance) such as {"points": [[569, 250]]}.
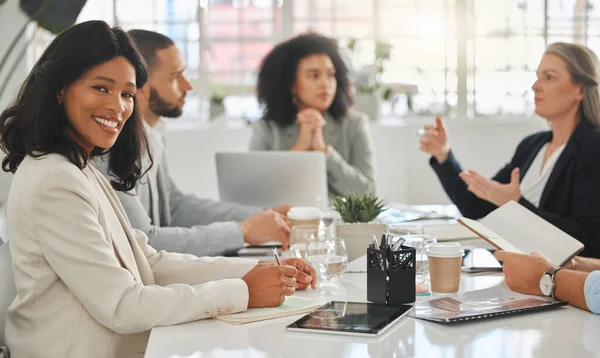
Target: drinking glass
{"points": [[329, 258], [420, 243], [301, 236]]}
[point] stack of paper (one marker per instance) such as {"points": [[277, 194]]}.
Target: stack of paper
{"points": [[436, 220]]}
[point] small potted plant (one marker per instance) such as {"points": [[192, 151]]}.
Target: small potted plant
{"points": [[217, 97], [367, 79], [358, 221]]}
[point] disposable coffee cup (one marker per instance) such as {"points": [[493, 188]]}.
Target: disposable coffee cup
{"points": [[445, 260], [304, 215]]}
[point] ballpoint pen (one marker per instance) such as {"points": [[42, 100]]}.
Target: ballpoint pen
{"points": [[276, 254], [375, 244], [398, 244]]}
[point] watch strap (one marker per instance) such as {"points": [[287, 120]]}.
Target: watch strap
{"points": [[551, 272]]}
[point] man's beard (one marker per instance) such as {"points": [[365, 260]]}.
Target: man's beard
{"points": [[163, 108]]}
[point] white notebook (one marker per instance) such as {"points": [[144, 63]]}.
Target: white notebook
{"points": [[512, 227], [291, 306]]}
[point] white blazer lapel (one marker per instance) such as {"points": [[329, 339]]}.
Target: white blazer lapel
{"points": [[121, 247]]}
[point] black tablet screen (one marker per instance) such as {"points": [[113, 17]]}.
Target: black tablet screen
{"points": [[356, 317]]}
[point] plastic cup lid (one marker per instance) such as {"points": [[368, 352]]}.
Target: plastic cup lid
{"points": [[446, 249], [304, 213]]}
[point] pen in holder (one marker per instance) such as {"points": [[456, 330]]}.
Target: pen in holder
{"points": [[391, 275]]}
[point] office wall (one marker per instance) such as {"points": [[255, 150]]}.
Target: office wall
{"points": [[403, 173]]}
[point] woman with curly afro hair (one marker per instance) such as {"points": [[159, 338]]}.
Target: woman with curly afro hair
{"points": [[304, 89]]}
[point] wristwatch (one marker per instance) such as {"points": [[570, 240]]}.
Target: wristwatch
{"points": [[547, 284]]}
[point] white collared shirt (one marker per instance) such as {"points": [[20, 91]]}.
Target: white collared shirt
{"points": [[535, 179]]}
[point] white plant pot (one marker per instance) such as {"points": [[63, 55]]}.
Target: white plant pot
{"points": [[369, 104], [357, 236], [216, 110]]}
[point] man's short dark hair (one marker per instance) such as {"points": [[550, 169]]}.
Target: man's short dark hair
{"points": [[149, 43]]}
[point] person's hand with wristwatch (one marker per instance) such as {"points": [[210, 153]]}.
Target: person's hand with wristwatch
{"points": [[547, 282], [535, 275], [528, 273]]}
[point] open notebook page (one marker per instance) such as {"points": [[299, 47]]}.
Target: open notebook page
{"points": [[526, 232], [292, 306]]}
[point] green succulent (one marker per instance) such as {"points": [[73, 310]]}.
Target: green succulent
{"points": [[358, 208]]}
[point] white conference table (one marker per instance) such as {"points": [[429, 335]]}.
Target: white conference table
{"points": [[564, 332]]}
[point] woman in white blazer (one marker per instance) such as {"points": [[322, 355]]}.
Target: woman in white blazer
{"points": [[88, 285]]}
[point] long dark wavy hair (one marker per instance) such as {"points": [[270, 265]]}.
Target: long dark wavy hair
{"points": [[35, 123], [277, 76]]}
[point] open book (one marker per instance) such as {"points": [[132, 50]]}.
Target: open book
{"points": [[292, 306], [512, 227]]}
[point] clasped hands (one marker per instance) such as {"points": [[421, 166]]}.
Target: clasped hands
{"points": [[310, 131]]}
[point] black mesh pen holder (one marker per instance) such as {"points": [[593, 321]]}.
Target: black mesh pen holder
{"points": [[391, 275]]}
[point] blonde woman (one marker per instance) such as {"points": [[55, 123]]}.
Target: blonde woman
{"points": [[554, 173]]}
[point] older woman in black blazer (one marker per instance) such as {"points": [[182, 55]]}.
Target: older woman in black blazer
{"points": [[555, 173]]}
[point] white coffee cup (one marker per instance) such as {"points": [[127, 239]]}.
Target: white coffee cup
{"points": [[445, 261], [304, 215]]}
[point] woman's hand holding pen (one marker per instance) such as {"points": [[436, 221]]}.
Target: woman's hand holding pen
{"points": [[434, 140], [269, 283]]}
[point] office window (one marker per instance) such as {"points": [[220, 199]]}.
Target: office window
{"points": [[423, 39], [342, 19], [237, 37], [509, 38], [503, 53], [465, 58], [177, 19]]}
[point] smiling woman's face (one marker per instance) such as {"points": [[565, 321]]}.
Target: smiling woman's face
{"points": [[99, 102]]}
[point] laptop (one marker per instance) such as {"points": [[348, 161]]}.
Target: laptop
{"points": [[271, 178]]}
